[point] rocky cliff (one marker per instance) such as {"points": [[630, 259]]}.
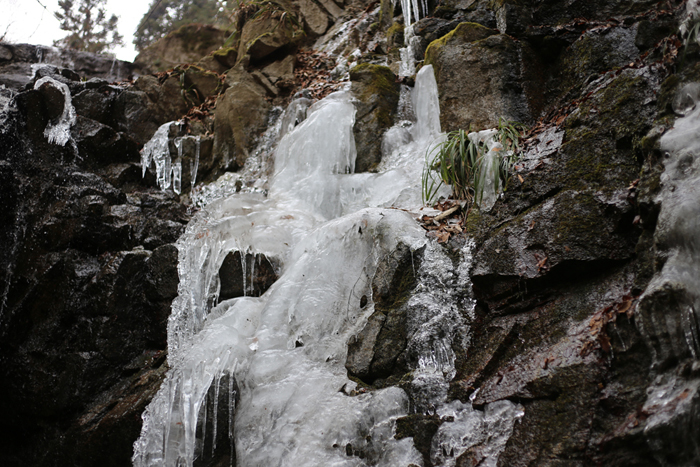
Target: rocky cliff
{"points": [[581, 316]]}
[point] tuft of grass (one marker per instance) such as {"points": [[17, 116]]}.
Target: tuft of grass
{"points": [[459, 162]]}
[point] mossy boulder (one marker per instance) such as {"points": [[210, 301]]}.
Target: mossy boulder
{"points": [[394, 36], [482, 76], [377, 92]]}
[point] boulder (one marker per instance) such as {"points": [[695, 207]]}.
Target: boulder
{"points": [[377, 91], [482, 77], [236, 128], [141, 109], [186, 45], [315, 18], [280, 69], [203, 83], [266, 34]]}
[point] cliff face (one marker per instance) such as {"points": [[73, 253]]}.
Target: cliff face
{"points": [[582, 316]]}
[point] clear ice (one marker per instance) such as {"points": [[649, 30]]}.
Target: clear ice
{"points": [[286, 350], [678, 235], [58, 131]]}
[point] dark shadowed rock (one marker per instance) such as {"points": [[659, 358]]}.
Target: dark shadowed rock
{"points": [[260, 273]]}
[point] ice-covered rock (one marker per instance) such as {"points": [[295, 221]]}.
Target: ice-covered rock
{"points": [[58, 129]]}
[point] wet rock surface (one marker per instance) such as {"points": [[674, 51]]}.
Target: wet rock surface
{"points": [[18, 61], [89, 272], [259, 274], [566, 323]]}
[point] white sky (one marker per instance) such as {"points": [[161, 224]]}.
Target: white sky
{"points": [[27, 21]]}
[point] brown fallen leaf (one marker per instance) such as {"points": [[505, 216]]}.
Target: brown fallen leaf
{"points": [[443, 237]]}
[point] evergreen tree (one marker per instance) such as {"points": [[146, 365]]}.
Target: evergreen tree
{"points": [[169, 15], [90, 29]]}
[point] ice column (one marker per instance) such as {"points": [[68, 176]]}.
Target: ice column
{"points": [[489, 181], [426, 104]]}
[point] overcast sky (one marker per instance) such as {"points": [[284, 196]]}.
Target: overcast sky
{"points": [[27, 21]]}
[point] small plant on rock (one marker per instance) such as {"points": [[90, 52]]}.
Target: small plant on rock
{"points": [[460, 161]]}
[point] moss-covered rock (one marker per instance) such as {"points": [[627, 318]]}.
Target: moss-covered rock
{"points": [[482, 76], [598, 51], [394, 36], [377, 91]]}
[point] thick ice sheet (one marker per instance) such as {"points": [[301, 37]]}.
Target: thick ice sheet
{"points": [[287, 349]]}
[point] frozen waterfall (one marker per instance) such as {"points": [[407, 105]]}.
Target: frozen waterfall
{"points": [[279, 360]]}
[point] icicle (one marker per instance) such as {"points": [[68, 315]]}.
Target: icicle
{"points": [[58, 132], [217, 383], [204, 425], [426, 105], [231, 411], [252, 275], [156, 149], [111, 68], [177, 177], [195, 164], [294, 114], [244, 271]]}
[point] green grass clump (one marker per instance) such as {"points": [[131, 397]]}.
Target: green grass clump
{"points": [[459, 162]]}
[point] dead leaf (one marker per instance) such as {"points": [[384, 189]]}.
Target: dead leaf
{"points": [[443, 237]]}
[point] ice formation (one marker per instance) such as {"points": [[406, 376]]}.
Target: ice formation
{"points": [[157, 151], [281, 356], [678, 236], [678, 228], [58, 131], [489, 181]]}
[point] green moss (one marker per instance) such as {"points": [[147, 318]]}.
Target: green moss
{"points": [[463, 33], [378, 80], [581, 220], [472, 222], [396, 28]]}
